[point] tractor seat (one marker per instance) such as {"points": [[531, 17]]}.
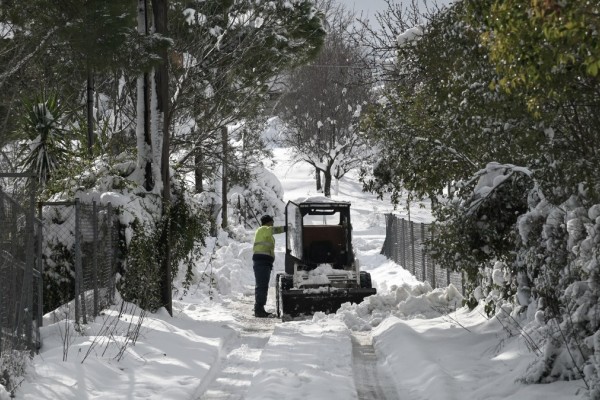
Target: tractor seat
{"points": [[321, 252]]}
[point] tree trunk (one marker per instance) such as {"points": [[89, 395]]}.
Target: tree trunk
{"points": [[318, 178], [161, 79], [148, 176], [225, 139], [144, 139], [90, 109], [198, 164], [327, 185]]}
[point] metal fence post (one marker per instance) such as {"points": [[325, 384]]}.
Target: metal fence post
{"points": [[412, 246], [424, 266], [40, 286], [19, 280], [403, 241], [388, 237], [434, 283], [79, 301], [396, 241], [40, 268], [27, 302], [111, 256], [95, 255]]}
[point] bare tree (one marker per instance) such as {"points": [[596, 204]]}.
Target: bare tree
{"points": [[322, 108]]}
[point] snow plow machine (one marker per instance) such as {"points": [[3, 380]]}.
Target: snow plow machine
{"points": [[321, 272]]}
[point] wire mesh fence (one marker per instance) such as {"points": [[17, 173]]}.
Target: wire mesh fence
{"points": [[64, 258], [405, 244], [79, 242], [20, 273], [99, 241]]}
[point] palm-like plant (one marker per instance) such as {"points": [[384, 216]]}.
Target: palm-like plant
{"points": [[47, 147]]}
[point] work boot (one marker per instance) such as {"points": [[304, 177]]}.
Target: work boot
{"points": [[259, 312]]}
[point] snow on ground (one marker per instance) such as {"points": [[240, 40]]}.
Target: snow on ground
{"points": [[212, 348]]}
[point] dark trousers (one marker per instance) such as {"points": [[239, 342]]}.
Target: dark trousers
{"points": [[262, 275]]}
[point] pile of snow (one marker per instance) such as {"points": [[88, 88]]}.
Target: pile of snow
{"points": [[320, 275], [405, 301]]}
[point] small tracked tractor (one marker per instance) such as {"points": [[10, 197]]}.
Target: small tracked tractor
{"points": [[321, 272]]}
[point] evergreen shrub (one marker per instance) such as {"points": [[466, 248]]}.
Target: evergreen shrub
{"points": [[186, 226]]}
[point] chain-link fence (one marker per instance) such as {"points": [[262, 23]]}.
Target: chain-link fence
{"points": [[79, 245], [20, 276], [405, 244]]}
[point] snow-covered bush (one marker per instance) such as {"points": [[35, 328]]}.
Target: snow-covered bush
{"points": [[559, 249], [12, 368], [140, 283], [142, 230], [263, 195], [185, 225], [475, 229], [533, 263]]}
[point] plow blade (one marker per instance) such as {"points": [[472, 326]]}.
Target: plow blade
{"points": [[298, 303]]}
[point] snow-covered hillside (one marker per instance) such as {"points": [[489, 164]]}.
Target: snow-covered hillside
{"points": [[425, 345]]}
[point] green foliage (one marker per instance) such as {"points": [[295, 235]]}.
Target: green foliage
{"points": [[97, 34], [438, 121], [476, 230], [47, 149], [59, 276], [186, 227], [546, 55], [141, 283], [477, 227], [543, 48]]}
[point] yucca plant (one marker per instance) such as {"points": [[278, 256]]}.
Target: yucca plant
{"points": [[47, 148]]}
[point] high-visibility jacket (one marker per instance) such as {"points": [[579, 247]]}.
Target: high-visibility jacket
{"points": [[264, 242]]}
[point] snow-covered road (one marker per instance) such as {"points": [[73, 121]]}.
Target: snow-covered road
{"points": [[230, 377], [372, 381]]}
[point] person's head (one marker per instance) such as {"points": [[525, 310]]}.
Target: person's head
{"points": [[266, 220]]}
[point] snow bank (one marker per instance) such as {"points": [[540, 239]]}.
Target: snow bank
{"points": [[459, 355], [109, 358]]}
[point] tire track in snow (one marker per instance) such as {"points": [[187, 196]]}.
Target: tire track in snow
{"points": [[372, 382], [232, 374]]}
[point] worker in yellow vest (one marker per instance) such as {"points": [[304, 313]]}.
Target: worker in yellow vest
{"points": [[263, 257]]}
